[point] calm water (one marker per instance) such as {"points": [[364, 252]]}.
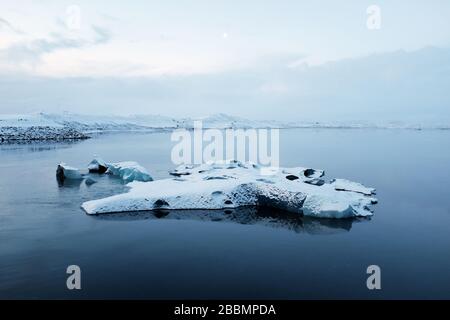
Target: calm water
{"points": [[240, 254]]}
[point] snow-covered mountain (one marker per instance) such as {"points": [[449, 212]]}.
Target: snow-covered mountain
{"points": [[40, 126], [45, 126], [92, 123]]}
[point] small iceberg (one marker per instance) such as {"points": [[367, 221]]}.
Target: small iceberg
{"points": [[232, 184], [129, 171], [63, 171]]}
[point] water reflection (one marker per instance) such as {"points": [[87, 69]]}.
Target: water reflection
{"points": [[266, 217]]}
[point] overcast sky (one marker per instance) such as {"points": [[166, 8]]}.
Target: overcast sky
{"points": [[239, 57]]}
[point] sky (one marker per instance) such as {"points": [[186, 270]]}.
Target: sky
{"points": [[307, 59]]}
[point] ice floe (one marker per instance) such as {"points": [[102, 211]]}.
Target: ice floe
{"points": [[232, 184]]}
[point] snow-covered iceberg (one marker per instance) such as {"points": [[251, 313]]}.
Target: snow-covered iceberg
{"points": [[63, 171], [233, 184], [129, 171]]}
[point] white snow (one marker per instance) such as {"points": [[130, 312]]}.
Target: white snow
{"points": [[68, 172], [234, 184], [129, 171]]}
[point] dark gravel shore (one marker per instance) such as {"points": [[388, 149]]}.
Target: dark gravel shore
{"points": [[22, 134]]}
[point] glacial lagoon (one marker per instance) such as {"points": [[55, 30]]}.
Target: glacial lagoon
{"points": [[241, 253]]}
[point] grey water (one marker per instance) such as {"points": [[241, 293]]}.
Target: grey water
{"points": [[245, 253]]}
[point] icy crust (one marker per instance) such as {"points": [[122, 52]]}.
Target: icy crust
{"points": [[234, 184]]}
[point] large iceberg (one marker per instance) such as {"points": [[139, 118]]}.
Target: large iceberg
{"points": [[233, 184]]}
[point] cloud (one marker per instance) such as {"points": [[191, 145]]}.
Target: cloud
{"points": [[31, 51], [410, 86], [7, 25]]}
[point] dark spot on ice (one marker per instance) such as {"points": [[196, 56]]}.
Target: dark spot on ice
{"points": [[217, 193], [228, 202], [160, 203], [179, 174], [216, 178], [309, 172], [316, 182], [265, 180], [291, 177], [101, 169]]}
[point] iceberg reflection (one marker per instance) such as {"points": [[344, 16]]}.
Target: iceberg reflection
{"points": [[258, 216]]}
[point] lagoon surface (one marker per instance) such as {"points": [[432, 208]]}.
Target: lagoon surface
{"points": [[246, 253]]}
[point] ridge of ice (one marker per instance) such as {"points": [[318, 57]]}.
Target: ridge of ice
{"points": [[346, 185]]}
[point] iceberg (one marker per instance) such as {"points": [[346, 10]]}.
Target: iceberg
{"points": [[233, 184], [129, 171], [64, 171]]}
